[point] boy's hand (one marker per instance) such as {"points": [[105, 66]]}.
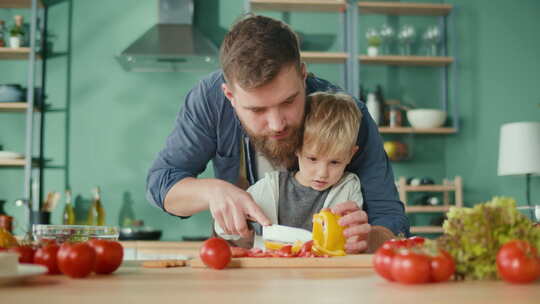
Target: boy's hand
{"points": [[357, 228]]}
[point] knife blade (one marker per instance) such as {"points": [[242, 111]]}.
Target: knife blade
{"points": [[280, 233]]}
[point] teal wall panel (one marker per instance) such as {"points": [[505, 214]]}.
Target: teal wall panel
{"points": [[106, 125]]}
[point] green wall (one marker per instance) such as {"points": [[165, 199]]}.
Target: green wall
{"points": [[106, 125]]}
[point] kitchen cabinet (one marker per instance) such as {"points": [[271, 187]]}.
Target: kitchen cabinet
{"points": [[32, 162], [447, 187]]}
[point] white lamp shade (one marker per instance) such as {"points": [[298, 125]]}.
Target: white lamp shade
{"points": [[519, 148]]}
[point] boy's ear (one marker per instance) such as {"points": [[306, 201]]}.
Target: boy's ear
{"points": [[353, 151]]}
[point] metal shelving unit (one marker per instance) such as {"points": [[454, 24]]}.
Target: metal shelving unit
{"points": [[33, 160], [444, 62], [350, 10], [342, 7]]}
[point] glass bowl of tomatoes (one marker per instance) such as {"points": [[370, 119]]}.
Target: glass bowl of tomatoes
{"points": [[73, 233]]}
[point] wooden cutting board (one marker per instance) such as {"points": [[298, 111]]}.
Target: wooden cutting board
{"points": [[357, 261]]}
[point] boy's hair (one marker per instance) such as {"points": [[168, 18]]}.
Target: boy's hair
{"points": [[255, 49], [332, 123]]}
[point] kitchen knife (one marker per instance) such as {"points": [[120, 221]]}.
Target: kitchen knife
{"points": [[280, 233]]}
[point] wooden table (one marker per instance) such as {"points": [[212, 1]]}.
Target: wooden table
{"points": [[133, 284]]}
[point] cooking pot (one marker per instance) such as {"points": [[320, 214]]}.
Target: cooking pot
{"points": [[140, 234]]}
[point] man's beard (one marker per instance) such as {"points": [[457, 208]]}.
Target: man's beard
{"points": [[280, 153]]}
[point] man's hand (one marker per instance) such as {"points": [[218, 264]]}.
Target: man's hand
{"points": [[357, 228], [231, 207]]}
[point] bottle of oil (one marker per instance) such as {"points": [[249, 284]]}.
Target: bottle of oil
{"points": [[68, 217], [96, 213]]}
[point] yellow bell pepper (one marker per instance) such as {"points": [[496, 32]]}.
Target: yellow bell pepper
{"points": [[328, 235]]}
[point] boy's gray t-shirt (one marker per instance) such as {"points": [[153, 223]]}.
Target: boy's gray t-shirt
{"points": [[298, 203]]}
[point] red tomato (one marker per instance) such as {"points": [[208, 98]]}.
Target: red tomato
{"points": [[382, 261], [409, 267], [305, 250], [284, 252], [109, 255], [442, 267], [76, 260], [215, 253], [518, 262], [415, 240], [26, 253], [239, 252], [46, 256]]}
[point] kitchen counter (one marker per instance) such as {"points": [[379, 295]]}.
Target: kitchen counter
{"points": [[134, 284]]}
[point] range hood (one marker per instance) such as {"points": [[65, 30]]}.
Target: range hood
{"points": [[172, 45]]}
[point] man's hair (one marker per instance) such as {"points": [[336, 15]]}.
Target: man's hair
{"points": [[331, 124], [255, 49]]}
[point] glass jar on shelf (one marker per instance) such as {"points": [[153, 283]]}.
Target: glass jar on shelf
{"points": [[432, 39], [388, 36], [406, 37]]}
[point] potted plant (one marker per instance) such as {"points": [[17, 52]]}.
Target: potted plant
{"points": [[374, 42], [16, 33]]}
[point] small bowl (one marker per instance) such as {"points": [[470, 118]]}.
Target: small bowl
{"points": [[11, 93], [426, 118], [74, 233]]}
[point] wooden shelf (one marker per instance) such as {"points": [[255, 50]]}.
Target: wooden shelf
{"points": [[426, 209], [409, 130], [300, 5], [8, 162], [324, 57], [426, 229], [401, 8], [17, 54], [18, 3], [430, 188], [13, 106], [407, 60]]}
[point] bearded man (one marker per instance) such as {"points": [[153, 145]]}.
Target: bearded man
{"points": [[247, 118]]}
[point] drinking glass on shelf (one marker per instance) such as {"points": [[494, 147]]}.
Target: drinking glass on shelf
{"points": [[388, 35], [432, 38], [406, 37]]}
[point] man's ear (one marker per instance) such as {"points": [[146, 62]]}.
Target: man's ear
{"points": [[228, 93], [303, 68]]}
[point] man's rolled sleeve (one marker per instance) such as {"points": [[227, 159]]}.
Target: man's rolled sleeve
{"points": [[188, 148]]}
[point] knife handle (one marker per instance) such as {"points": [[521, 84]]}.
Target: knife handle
{"points": [[255, 226]]}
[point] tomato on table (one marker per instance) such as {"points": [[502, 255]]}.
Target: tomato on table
{"points": [[46, 256], [442, 267], [26, 253], [215, 253], [409, 267], [382, 261], [76, 260], [109, 255], [518, 262], [413, 261]]}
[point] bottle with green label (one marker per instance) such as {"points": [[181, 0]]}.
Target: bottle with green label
{"points": [[68, 217], [96, 213]]}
